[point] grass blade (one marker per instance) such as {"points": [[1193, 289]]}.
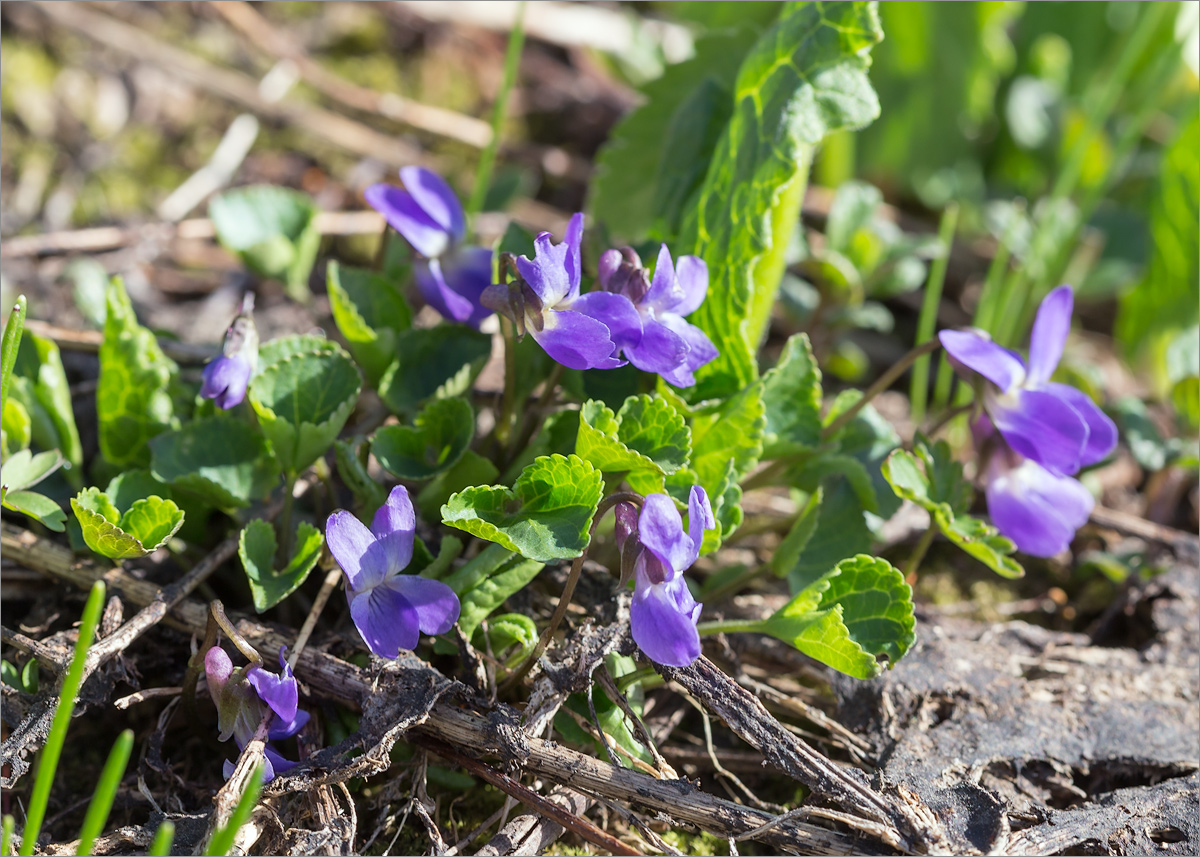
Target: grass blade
{"points": [[222, 839], [164, 838], [919, 389], [106, 792], [10, 825], [62, 719]]}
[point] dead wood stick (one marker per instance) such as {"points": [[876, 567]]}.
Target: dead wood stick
{"points": [[747, 717], [533, 800], [468, 733], [1186, 545], [91, 340], [231, 85]]}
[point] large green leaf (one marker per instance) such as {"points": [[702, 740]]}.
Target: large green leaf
{"points": [[370, 312], [433, 444], [16, 430], [223, 461], [257, 547], [133, 403], [940, 489], [433, 363], [22, 471], [471, 469], [275, 350], [805, 78], [352, 467], [656, 157], [841, 532], [792, 400], [545, 515], [39, 364], [648, 439], [302, 402], [143, 529], [848, 617], [272, 230]]}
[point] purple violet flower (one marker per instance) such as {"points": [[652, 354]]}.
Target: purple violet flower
{"points": [[451, 276], [1036, 508], [240, 694], [1054, 425], [664, 614], [227, 376], [390, 609], [665, 343], [578, 331]]}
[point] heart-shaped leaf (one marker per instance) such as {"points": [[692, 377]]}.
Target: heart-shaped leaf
{"points": [[143, 529], [302, 402], [433, 363], [257, 547], [274, 350], [471, 469], [940, 489], [849, 616], [272, 230], [432, 445], [648, 439], [370, 312], [545, 515], [352, 467], [223, 461]]}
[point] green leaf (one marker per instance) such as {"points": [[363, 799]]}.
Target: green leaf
{"points": [[787, 555], [128, 487], [39, 362], [15, 428], [509, 629], [545, 515], [37, 506], [370, 312], [434, 443], [805, 78], [853, 207], [10, 342], [272, 230], [257, 547], [24, 469], [846, 618], [143, 529], [656, 157], [434, 363], [841, 532], [934, 490], [133, 401], [726, 445], [488, 594], [471, 469], [275, 350], [225, 462], [302, 402], [816, 471], [792, 400], [648, 437], [90, 283]]}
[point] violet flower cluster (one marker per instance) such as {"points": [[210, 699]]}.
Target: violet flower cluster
{"points": [[1040, 432], [226, 377], [390, 609], [664, 614], [240, 695], [450, 274], [629, 314]]}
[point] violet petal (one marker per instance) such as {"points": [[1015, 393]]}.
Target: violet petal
{"points": [[394, 528], [1037, 509], [979, 354], [576, 341], [665, 292], [661, 530], [692, 274], [553, 274], [1050, 329], [1102, 431], [280, 692], [350, 541], [700, 518], [616, 312], [663, 619], [431, 282], [1042, 427], [437, 605], [386, 620], [225, 380], [661, 349], [436, 198], [426, 235]]}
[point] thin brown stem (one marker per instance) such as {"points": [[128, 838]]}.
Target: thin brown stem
{"points": [[885, 380], [327, 587], [248, 651]]}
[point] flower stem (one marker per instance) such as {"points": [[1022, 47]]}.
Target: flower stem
{"points": [[532, 415], [918, 554], [731, 626], [919, 389], [512, 61], [639, 675], [248, 651], [564, 600], [504, 425], [285, 520], [885, 380]]}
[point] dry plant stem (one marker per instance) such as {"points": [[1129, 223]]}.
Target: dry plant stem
{"points": [[564, 600], [533, 800], [885, 380], [262, 34], [640, 731], [248, 651], [231, 85], [229, 795], [474, 734], [327, 585], [947, 417], [149, 693]]}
